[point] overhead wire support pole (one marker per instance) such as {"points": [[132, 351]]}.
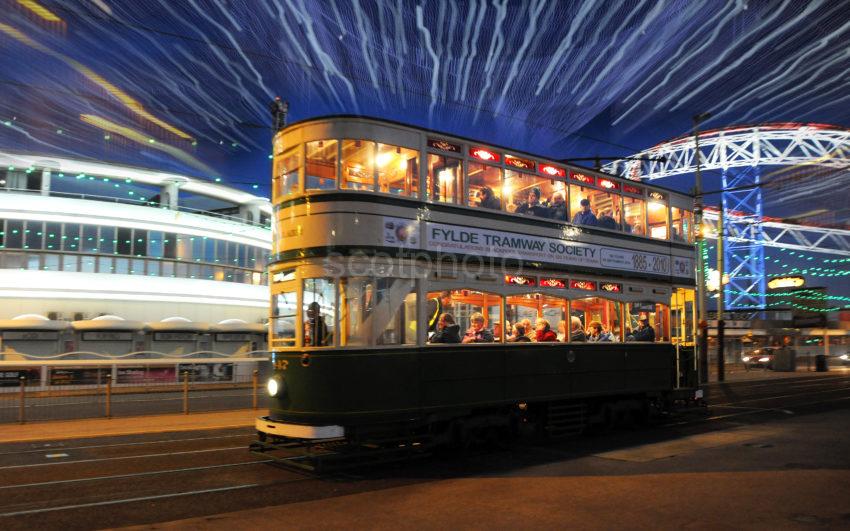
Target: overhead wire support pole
{"points": [[721, 293], [700, 248]]}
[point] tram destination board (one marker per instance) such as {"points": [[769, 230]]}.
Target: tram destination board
{"points": [[446, 238]]}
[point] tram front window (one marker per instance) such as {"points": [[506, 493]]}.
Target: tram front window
{"points": [[358, 165], [321, 165], [599, 319], [445, 176], [398, 170], [284, 307], [318, 312], [647, 321], [285, 177], [682, 225]]}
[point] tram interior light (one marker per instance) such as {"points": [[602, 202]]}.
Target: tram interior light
{"points": [[445, 176], [384, 159]]}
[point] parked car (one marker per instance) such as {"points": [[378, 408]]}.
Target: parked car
{"points": [[759, 358]]}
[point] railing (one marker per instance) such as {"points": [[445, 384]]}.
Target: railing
{"points": [[65, 391], [139, 202]]}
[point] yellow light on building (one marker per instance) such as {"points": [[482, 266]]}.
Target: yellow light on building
{"points": [[786, 282]]}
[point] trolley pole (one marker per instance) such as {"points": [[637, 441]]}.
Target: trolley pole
{"points": [[700, 244], [721, 294], [185, 392], [22, 413]]}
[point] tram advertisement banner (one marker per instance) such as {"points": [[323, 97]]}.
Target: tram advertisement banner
{"points": [[207, 372], [440, 237], [78, 376]]}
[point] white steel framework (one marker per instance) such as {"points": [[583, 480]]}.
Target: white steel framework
{"points": [[747, 150]]}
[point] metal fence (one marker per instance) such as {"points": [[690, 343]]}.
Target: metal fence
{"points": [[65, 392]]}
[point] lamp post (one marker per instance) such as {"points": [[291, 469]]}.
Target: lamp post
{"points": [[721, 293], [700, 243]]}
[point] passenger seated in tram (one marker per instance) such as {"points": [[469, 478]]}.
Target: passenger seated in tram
{"points": [[644, 331], [477, 333], [527, 328], [562, 331], [576, 333], [558, 207], [532, 206], [436, 307], [315, 329], [518, 335], [487, 199], [585, 216], [598, 334], [606, 220], [675, 236], [447, 330], [544, 332]]}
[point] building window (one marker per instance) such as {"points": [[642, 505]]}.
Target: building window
{"points": [[358, 165], [124, 243], [445, 179], [321, 165], [398, 170]]}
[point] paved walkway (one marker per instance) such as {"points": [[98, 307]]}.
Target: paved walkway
{"points": [[103, 427]]}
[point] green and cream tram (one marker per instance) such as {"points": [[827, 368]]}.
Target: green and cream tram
{"points": [[569, 293]]}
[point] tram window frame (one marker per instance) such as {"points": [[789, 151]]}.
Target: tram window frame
{"points": [[286, 181], [462, 319], [681, 223], [369, 176], [473, 170], [454, 165], [651, 310], [597, 196], [384, 157], [662, 216], [331, 337], [547, 186], [365, 299], [683, 316], [277, 339], [332, 161], [612, 323], [628, 202], [542, 303]]}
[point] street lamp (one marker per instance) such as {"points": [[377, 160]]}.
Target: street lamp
{"points": [[700, 243]]}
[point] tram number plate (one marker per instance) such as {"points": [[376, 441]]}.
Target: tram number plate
{"points": [[652, 263]]}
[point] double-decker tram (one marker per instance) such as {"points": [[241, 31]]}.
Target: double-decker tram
{"points": [[428, 288]]}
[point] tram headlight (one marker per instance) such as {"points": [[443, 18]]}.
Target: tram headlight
{"points": [[764, 359], [745, 359], [844, 357], [273, 386]]}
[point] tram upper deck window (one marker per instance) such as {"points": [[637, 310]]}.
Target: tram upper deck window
{"points": [[647, 321], [595, 208], [445, 179], [485, 186], [656, 211], [682, 225], [285, 177], [398, 170], [634, 210], [358, 165], [535, 317], [319, 301], [321, 165], [599, 320], [534, 196]]}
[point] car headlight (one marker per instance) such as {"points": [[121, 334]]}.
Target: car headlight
{"points": [[745, 359], [845, 357], [764, 359], [273, 386]]}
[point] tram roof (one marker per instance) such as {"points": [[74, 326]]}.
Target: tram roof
{"points": [[474, 141]]}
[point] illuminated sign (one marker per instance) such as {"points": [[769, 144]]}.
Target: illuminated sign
{"points": [[586, 285], [519, 163], [553, 282], [632, 189], [608, 184], [554, 171], [786, 282], [443, 145], [658, 196], [611, 287], [483, 154], [582, 178], [519, 280]]}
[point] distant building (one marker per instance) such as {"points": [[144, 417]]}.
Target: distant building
{"points": [[80, 239]]}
